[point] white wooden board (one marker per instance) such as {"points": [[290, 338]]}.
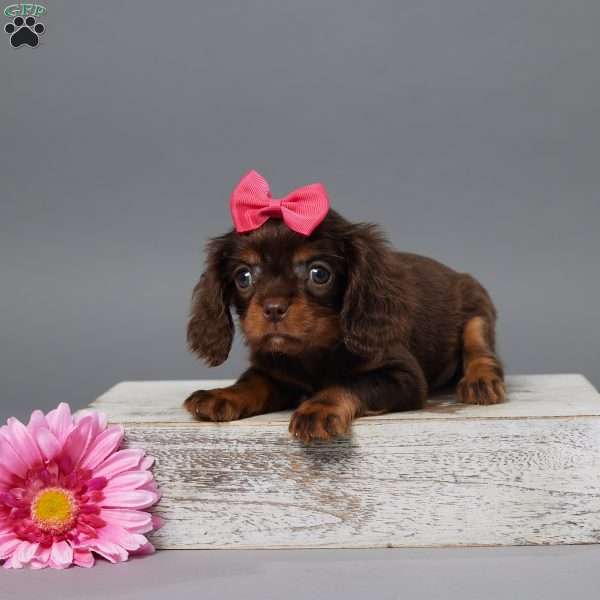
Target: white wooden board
{"points": [[556, 395], [525, 472]]}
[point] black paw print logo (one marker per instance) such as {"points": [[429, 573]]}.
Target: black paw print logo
{"points": [[24, 31]]}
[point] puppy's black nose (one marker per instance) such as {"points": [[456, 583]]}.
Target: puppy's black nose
{"points": [[275, 310]]}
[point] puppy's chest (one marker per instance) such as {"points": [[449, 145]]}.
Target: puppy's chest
{"points": [[309, 377]]}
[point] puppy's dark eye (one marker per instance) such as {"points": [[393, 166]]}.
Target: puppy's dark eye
{"points": [[319, 274], [243, 278]]}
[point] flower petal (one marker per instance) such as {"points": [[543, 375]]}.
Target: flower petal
{"points": [[41, 558], [146, 549], [60, 422], [95, 484], [47, 442], [112, 552], [123, 460], [12, 562], [122, 537], [61, 555], [83, 558], [6, 478], [77, 441], [157, 522], [102, 446], [8, 547], [151, 486], [99, 419], [37, 421], [129, 480], [22, 442], [128, 499], [11, 460], [136, 521], [26, 551], [147, 463]]}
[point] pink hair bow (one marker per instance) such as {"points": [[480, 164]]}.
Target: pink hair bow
{"points": [[301, 210]]}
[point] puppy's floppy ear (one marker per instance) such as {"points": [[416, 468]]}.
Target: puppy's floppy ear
{"points": [[210, 328], [372, 300]]}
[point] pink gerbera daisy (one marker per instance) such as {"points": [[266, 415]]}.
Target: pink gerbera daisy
{"points": [[66, 491]]}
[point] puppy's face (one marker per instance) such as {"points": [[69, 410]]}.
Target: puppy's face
{"points": [[287, 289], [295, 294]]}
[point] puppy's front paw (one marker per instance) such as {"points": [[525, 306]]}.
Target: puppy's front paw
{"points": [[214, 405], [482, 387], [326, 416]]}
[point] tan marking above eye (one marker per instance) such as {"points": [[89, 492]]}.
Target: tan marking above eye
{"points": [[250, 257], [305, 255]]}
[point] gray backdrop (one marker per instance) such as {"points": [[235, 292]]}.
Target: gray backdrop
{"points": [[470, 129]]}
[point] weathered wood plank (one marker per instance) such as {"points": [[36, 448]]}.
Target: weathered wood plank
{"points": [[528, 396], [406, 483], [525, 472]]}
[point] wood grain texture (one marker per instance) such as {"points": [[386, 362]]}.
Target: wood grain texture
{"points": [[528, 396], [447, 476]]}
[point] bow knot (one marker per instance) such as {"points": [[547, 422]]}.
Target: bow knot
{"points": [[274, 207], [301, 210]]}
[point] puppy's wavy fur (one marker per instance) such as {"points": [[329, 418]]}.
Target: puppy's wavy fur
{"points": [[384, 330]]}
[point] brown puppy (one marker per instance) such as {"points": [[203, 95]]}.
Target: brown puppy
{"points": [[339, 325]]}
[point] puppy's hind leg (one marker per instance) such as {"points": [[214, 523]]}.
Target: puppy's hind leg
{"points": [[483, 376]]}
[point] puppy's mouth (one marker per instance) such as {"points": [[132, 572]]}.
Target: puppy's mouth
{"points": [[280, 342]]}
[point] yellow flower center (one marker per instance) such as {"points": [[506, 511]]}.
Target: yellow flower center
{"points": [[54, 510]]}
